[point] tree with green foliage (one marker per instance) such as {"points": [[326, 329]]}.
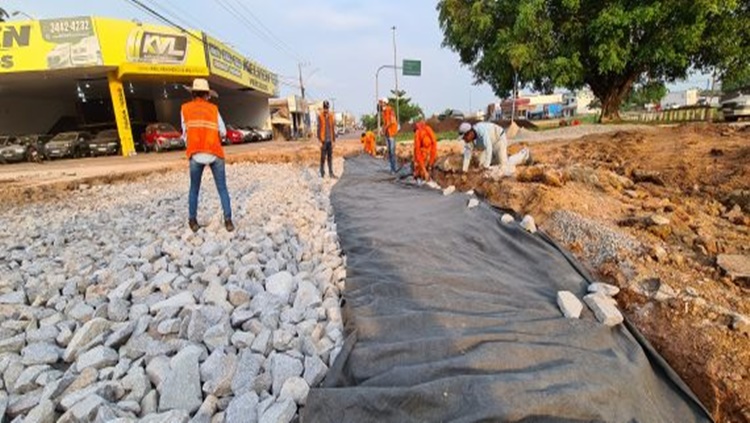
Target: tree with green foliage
{"points": [[727, 44], [408, 111], [608, 45], [3, 15], [370, 122], [647, 92], [736, 79]]}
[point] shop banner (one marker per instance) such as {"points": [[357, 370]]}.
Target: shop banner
{"points": [[49, 44], [151, 49], [228, 64]]}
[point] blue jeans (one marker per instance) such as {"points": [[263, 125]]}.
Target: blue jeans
{"points": [[391, 143], [220, 177]]}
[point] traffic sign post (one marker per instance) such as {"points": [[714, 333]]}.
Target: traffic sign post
{"points": [[412, 67]]}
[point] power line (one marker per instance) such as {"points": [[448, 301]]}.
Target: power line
{"points": [[267, 30], [162, 18], [237, 14]]}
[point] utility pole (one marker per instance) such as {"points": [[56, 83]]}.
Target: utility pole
{"points": [[395, 74], [301, 83], [471, 109]]}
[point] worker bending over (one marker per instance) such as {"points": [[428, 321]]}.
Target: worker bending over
{"points": [[425, 151], [368, 142], [492, 144]]}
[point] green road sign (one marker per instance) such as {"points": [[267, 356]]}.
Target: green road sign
{"points": [[412, 67]]}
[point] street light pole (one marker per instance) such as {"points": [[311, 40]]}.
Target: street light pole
{"points": [[377, 90], [395, 74]]}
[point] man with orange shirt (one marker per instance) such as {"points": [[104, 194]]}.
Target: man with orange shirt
{"points": [[425, 151], [390, 129], [203, 128]]}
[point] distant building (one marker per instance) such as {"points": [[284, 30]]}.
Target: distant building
{"points": [[678, 99], [290, 116], [548, 106], [579, 103]]}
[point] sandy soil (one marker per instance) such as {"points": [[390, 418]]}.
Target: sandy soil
{"points": [[682, 193]]}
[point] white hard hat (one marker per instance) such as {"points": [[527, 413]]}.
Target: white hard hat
{"points": [[464, 128], [384, 100], [201, 85]]}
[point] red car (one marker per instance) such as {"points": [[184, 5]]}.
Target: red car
{"points": [[233, 135], [162, 136]]}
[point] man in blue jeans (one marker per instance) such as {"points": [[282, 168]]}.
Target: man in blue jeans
{"points": [[390, 129], [203, 128]]}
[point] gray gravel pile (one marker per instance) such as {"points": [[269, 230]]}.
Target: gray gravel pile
{"points": [[600, 243], [111, 309]]}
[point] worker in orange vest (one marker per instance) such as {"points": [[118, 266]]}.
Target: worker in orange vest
{"points": [[390, 129], [368, 142], [203, 128], [425, 151], [326, 136]]}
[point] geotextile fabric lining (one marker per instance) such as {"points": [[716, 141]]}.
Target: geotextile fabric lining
{"points": [[452, 316]]}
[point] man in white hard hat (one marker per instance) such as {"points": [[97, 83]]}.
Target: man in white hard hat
{"points": [[492, 144], [390, 129], [203, 129]]}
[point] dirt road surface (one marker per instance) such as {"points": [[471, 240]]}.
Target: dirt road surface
{"points": [[653, 211]]}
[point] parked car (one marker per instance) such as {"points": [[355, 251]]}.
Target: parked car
{"points": [[454, 114], [162, 136], [6, 139], [736, 107], [234, 135], [68, 144], [105, 143], [24, 148], [248, 135], [263, 134]]}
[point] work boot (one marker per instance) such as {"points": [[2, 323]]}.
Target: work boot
{"points": [[229, 225], [194, 226]]}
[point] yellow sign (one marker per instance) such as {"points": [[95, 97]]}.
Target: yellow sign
{"points": [[48, 44], [227, 63], [150, 49]]}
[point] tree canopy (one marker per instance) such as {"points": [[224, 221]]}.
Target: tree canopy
{"points": [[647, 92], [408, 111], [607, 45]]}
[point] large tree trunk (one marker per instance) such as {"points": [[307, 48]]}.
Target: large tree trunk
{"points": [[611, 91]]}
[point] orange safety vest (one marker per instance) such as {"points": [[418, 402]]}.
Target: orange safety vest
{"points": [[322, 126], [201, 120], [389, 121]]}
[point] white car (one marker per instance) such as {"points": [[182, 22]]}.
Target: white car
{"points": [[736, 107]]}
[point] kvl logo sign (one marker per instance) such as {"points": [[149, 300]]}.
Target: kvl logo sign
{"points": [[154, 47]]}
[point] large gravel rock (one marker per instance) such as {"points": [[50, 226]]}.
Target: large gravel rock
{"points": [[113, 310]]}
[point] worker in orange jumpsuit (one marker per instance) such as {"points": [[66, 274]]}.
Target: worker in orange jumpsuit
{"points": [[368, 142], [425, 151]]}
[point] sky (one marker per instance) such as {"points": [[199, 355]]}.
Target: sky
{"points": [[341, 44]]}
